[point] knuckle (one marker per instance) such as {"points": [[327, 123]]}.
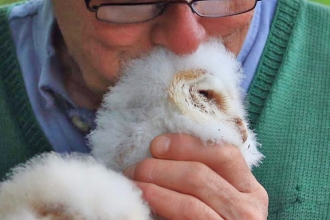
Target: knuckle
{"points": [[196, 174], [149, 191], [192, 208], [249, 212], [264, 199], [144, 169], [228, 155], [264, 196], [230, 151], [256, 209]]}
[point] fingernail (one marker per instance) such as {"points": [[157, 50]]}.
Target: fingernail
{"points": [[129, 171], [161, 145]]}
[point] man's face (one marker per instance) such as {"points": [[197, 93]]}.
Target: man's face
{"points": [[101, 48]]}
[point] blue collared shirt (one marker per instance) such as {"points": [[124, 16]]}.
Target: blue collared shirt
{"points": [[255, 41], [32, 24]]}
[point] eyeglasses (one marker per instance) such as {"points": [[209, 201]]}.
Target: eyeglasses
{"points": [[135, 12]]}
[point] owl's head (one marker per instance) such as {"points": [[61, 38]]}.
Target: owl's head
{"points": [[204, 86], [161, 92], [202, 96]]}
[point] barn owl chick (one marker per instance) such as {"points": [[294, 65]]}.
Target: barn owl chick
{"points": [[197, 94], [69, 187]]}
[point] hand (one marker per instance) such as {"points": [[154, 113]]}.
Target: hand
{"points": [[187, 180]]}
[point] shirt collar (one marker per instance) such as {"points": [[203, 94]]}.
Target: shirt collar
{"points": [[50, 84], [43, 33], [256, 39], [51, 81], [251, 35]]}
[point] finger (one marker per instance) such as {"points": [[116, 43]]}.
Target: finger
{"points": [[175, 206], [226, 160], [190, 178]]}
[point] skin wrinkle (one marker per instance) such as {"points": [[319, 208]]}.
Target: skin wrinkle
{"points": [[151, 171], [195, 178], [152, 191], [212, 181], [215, 154]]}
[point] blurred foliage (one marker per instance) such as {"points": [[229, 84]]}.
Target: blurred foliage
{"points": [[327, 2], [7, 1]]}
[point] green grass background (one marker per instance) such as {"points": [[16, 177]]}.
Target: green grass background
{"points": [[327, 2], [7, 1]]}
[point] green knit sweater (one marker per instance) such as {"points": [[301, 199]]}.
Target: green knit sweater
{"points": [[20, 135], [290, 111], [289, 107]]}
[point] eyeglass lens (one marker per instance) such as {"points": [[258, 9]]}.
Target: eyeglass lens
{"points": [[133, 13]]}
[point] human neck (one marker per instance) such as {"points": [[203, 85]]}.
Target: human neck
{"points": [[73, 81]]}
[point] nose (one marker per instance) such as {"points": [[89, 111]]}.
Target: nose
{"points": [[178, 29]]}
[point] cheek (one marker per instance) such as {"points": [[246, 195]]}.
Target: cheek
{"points": [[83, 33], [106, 43], [232, 30], [103, 48], [226, 26], [111, 35]]}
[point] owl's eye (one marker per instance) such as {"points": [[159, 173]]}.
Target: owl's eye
{"points": [[205, 93], [193, 94], [217, 98]]}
